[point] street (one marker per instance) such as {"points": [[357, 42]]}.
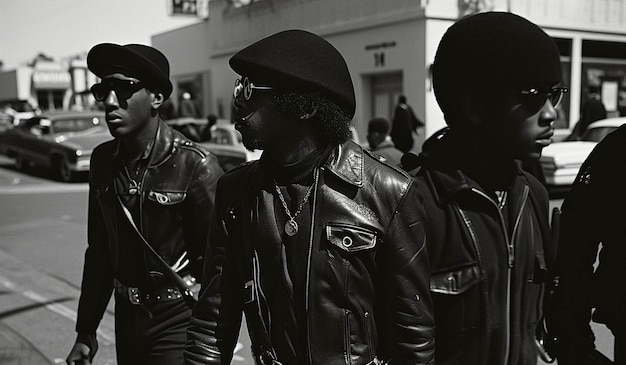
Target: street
{"points": [[42, 242], [43, 230]]}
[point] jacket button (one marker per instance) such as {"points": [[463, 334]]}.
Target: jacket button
{"points": [[346, 241]]}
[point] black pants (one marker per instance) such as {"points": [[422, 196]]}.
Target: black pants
{"points": [[159, 340]]}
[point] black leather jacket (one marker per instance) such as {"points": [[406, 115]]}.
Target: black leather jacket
{"points": [[367, 275], [176, 198], [488, 264], [593, 213]]}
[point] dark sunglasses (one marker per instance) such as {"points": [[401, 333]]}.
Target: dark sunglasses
{"points": [[539, 97], [124, 89], [244, 87]]}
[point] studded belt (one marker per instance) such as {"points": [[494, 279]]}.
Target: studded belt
{"points": [[140, 296]]}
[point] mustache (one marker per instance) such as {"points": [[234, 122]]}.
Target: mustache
{"points": [[245, 120]]}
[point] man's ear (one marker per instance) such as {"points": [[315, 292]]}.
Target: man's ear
{"points": [[311, 113], [473, 109], [157, 100]]}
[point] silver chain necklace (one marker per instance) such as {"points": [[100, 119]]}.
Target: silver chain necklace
{"points": [[291, 227], [133, 185]]}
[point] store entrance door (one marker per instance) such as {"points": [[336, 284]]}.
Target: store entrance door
{"points": [[386, 88]]}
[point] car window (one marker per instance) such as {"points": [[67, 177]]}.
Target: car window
{"points": [[221, 136], [75, 124], [28, 124], [597, 134]]}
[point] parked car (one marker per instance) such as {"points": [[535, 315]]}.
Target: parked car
{"points": [[225, 141], [561, 161], [192, 128], [61, 141]]}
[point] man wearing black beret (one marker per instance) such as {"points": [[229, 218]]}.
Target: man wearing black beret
{"points": [[318, 242], [151, 192], [496, 77]]}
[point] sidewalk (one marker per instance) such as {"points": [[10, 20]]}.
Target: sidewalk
{"points": [[37, 317], [16, 350]]}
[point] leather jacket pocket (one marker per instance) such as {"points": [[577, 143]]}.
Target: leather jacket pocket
{"points": [[166, 197], [456, 295], [350, 238], [455, 282]]}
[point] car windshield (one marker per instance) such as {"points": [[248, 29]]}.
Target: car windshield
{"points": [[75, 124], [596, 134], [221, 136]]}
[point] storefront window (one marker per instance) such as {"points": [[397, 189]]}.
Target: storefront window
{"points": [[50, 99], [565, 50], [604, 67]]}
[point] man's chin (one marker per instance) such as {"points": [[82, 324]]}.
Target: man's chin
{"points": [[250, 145]]}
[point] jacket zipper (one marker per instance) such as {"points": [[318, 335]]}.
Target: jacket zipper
{"points": [[511, 258], [308, 268], [141, 198]]}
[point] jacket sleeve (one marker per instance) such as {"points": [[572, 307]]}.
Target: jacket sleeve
{"points": [[97, 281], [569, 314], [216, 318], [201, 198], [408, 324]]}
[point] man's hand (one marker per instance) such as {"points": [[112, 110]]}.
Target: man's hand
{"points": [[79, 355], [83, 351]]}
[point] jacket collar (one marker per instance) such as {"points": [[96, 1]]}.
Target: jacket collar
{"points": [[346, 162], [445, 172], [162, 147]]}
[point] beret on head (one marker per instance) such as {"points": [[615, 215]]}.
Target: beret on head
{"points": [[145, 63], [493, 51], [298, 60]]}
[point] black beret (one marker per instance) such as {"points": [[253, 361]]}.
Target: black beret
{"points": [[145, 63], [296, 59], [494, 51]]}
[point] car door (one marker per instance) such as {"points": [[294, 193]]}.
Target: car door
{"points": [[38, 142]]}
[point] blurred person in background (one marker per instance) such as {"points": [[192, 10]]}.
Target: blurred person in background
{"points": [[380, 142], [318, 242], [149, 189], [187, 107], [404, 124], [592, 110], [206, 131]]}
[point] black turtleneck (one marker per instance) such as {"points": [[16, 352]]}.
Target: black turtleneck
{"points": [[289, 327]]}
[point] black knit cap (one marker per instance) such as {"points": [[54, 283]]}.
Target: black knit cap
{"points": [[145, 63], [298, 60], [493, 51]]}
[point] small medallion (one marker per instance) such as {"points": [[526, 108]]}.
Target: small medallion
{"points": [[291, 228], [133, 188]]}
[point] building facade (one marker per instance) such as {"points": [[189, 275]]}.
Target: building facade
{"points": [[46, 85], [390, 45]]}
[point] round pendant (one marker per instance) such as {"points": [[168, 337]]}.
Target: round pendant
{"points": [[291, 228], [132, 191]]}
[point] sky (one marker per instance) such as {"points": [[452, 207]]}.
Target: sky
{"points": [[62, 28]]}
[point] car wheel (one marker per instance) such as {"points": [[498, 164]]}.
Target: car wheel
{"points": [[20, 163], [64, 172]]}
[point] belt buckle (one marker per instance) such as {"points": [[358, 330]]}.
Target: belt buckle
{"points": [[133, 295]]}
